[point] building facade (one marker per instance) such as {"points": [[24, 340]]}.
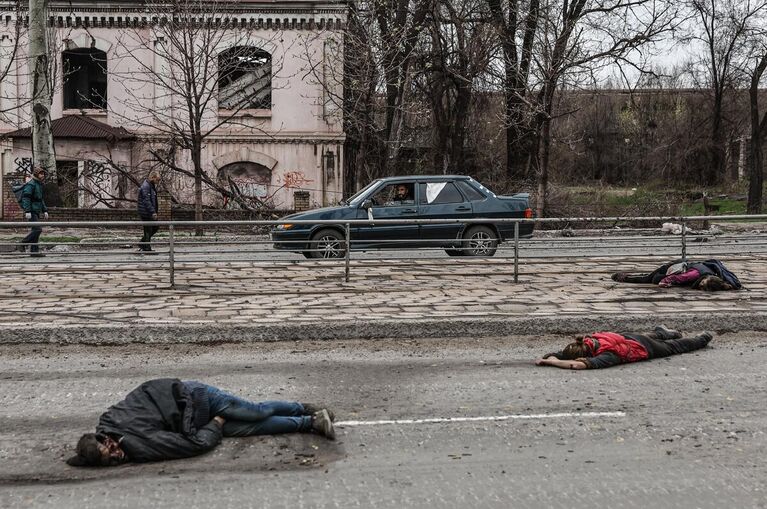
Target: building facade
{"points": [[139, 84]]}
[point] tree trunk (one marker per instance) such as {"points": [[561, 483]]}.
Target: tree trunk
{"points": [[713, 174], [518, 145], [42, 139], [196, 162], [543, 175], [457, 163], [756, 166]]}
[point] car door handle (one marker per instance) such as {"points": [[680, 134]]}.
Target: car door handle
{"points": [[463, 207], [408, 211]]}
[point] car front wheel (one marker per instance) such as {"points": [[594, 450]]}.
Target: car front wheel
{"points": [[480, 241], [328, 244]]}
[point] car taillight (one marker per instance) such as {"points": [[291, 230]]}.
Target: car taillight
{"points": [[528, 213]]}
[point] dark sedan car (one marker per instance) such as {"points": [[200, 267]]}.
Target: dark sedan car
{"points": [[415, 197]]}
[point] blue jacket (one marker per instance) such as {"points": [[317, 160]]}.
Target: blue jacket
{"points": [[32, 197], [147, 200]]}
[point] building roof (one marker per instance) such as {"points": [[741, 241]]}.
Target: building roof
{"points": [[79, 127]]}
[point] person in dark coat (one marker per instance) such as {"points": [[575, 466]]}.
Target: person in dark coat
{"points": [[33, 204], [606, 349], [166, 419], [709, 275], [147, 209]]}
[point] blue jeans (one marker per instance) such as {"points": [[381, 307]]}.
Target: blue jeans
{"points": [[245, 418]]}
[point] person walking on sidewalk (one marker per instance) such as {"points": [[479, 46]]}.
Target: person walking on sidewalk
{"points": [[147, 209], [607, 349], [33, 204], [168, 419]]}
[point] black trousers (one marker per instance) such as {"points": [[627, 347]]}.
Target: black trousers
{"points": [[149, 231], [657, 348], [653, 277], [33, 237]]}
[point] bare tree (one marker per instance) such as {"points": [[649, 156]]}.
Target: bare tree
{"points": [[517, 24], [451, 65], [756, 66], [574, 41], [722, 27], [195, 70], [758, 136]]}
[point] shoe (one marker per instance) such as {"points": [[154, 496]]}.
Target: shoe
{"points": [[708, 336], [37, 255], [21, 248], [311, 409], [620, 277], [666, 333], [322, 424]]}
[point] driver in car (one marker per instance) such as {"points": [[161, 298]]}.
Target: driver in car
{"points": [[401, 196]]}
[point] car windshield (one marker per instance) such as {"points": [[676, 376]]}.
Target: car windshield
{"points": [[488, 191], [357, 198]]}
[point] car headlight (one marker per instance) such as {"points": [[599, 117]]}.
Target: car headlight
{"points": [[284, 226]]}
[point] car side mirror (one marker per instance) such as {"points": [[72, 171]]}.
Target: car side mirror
{"points": [[367, 204]]}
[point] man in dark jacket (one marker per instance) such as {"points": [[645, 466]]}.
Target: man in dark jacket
{"points": [[167, 419], [147, 209], [33, 204]]}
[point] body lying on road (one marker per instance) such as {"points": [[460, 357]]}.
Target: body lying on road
{"points": [[606, 349], [709, 275], [169, 419]]}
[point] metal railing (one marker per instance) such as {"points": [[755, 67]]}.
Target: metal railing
{"points": [[181, 249]]}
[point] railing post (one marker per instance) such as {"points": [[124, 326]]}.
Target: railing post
{"points": [[516, 252], [347, 254], [171, 257], [684, 240]]}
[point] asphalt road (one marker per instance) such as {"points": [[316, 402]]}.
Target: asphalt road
{"points": [[687, 431]]}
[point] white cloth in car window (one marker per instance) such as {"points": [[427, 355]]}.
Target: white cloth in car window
{"points": [[433, 190]]}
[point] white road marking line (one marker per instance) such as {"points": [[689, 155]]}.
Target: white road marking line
{"points": [[438, 420]]}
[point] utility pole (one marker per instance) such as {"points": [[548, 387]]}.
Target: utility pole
{"points": [[39, 60]]}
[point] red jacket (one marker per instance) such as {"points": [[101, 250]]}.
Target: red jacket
{"points": [[627, 349]]}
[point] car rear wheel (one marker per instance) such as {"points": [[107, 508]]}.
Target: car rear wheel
{"points": [[480, 241], [328, 244]]}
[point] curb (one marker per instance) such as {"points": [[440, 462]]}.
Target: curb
{"points": [[400, 329]]}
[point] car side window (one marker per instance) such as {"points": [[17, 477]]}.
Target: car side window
{"points": [[469, 191], [395, 195], [438, 193]]}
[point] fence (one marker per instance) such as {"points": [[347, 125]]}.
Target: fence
{"points": [[383, 241]]}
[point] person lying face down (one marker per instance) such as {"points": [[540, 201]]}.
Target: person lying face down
{"points": [[167, 419], [710, 275], [607, 349]]}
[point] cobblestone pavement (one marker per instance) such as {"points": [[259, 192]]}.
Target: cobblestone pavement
{"points": [[398, 291], [691, 434]]}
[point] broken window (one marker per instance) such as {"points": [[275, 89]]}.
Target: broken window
{"points": [[85, 79], [244, 79], [438, 193]]}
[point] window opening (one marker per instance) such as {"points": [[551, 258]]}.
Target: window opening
{"points": [[85, 79], [244, 79], [438, 193], [395, 195], [469, 191]]}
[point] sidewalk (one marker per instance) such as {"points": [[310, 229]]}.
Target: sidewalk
{"points": [[287, 301]]}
